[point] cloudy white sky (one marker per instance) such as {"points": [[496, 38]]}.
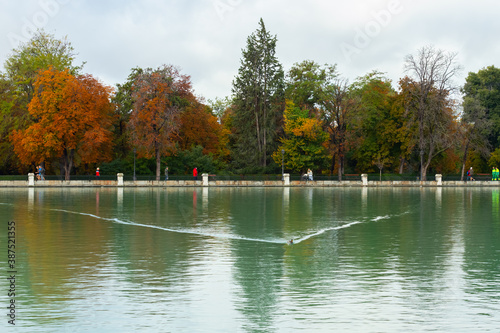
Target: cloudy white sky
{"points": [[205, 37]]}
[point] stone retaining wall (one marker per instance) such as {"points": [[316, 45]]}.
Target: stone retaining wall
{"points": [[205, 182]]}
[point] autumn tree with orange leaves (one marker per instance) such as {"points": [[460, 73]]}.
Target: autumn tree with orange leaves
{"points": [[159, 96], [72, 121], [199, 127]]}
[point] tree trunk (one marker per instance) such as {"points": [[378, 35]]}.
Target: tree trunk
{"points": [[68, 163], [332, 167], [426, 165], [423, 170], [428, 162], [257, 110], [464, 159], [424, 173], [340, 166], [266, 110], [264, 150], [158, 163], [401, 165]]}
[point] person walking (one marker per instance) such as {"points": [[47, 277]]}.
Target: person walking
{"points": [[195, 173], [97, 174], [41, 171], [166, 172], [469, 174]]}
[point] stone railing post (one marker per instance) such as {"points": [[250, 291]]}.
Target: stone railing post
{"points": [[364, 179], [286, 179], [204, 178], [119, 177], [31, 179], [439, 180]]}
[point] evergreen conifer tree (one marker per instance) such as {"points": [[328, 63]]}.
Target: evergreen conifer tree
{"points": [[258, 93]]}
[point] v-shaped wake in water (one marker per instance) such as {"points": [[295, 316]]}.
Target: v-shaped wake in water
{"points": [[343, 226], [179, 231], [225, 235]]}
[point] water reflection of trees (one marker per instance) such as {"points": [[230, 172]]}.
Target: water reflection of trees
{"points": [[71, 256], [256, 214], [437, 246]]}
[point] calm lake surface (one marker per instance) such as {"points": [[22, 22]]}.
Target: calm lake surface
{"points": [[217, 259]]}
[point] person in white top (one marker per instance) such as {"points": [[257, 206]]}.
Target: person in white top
{"points": [[310, 174]]}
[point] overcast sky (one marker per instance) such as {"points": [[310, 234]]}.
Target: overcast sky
{"points": [[205, 37]]}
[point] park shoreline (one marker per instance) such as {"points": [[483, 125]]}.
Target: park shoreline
{"points": [[206, 182]]}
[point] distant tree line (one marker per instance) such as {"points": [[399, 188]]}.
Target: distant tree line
{"points": [[53, 114]]}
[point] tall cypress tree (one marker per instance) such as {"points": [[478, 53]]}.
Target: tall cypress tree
{"points": [[258, 102]]}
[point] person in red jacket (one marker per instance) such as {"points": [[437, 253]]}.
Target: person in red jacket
{"points": [[97, 174], [195, 173]]}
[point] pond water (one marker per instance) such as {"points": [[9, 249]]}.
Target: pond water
{"points": [[217, 259]]}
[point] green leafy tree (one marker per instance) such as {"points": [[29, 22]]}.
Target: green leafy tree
{"points": [[482, 89], [494, 161], [377, 125], [329, 98], [306, 84], [304, 143], [258, 91], [41, 52], [405, 130], [124, 105], [12, 116], [474, 128], [184, 161], [337, 111]]}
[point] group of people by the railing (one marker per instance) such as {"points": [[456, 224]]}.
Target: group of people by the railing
{"points": [[494, 174], [195, 173], [40, 172], [308, 176]]}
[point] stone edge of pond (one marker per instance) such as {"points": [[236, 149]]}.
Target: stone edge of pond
{"points": [[244, 183]]}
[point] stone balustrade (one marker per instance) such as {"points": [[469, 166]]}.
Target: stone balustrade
{"points": [[211, 181]]}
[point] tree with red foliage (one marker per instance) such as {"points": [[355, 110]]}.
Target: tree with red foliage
{"points": [[159, 97]]}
